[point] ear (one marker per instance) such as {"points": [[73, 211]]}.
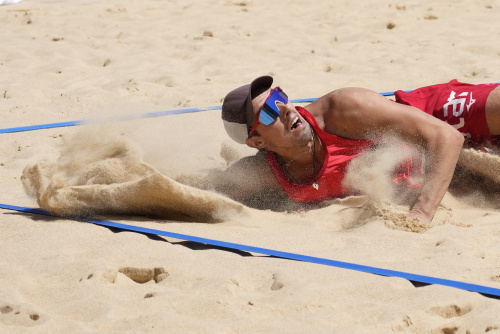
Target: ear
{"points": [[256, 142]]}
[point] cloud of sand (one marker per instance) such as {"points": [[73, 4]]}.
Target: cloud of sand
{"points": [[372, 173], [101, 172], [476, 183]]}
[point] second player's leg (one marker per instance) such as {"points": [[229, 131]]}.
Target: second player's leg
{"points": [[493, 112]]}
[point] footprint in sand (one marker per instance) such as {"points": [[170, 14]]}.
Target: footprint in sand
{"points": [[403, 324], [143, 275], [15, 315], [277, 283], [274, 283], [450, 311], [495, 278], [149, 295], [446, 312], [138, 275]]}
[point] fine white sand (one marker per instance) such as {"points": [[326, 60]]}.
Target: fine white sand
{"points": [[85, 59]]}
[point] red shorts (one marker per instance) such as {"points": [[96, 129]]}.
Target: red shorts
{"points": [[459, 104]]}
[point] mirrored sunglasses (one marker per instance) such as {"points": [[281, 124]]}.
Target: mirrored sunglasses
{"points": [[270, 111]]}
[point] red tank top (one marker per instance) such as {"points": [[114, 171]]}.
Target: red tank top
{"points": [[338, 153]]}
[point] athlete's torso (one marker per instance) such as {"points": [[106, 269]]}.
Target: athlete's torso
{"points": [[338, 153]]}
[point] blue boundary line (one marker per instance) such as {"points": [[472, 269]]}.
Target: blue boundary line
{"points": [[488, 291], [135, 116], [120, 118]]}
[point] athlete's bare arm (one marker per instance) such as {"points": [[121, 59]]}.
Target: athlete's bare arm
{"points": [[246, 177], [357, 113]]}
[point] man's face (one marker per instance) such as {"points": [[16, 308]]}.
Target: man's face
{"points": [[288, 131]]}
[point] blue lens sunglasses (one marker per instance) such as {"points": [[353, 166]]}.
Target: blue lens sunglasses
{"points": [[269, 111]]}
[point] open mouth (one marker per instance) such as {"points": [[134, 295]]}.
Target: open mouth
{"points": [[296, 123]]}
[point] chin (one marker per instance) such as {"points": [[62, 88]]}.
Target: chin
{"points": [[306, 132]]}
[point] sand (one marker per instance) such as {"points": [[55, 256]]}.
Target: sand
{"points": [[76, 60]]}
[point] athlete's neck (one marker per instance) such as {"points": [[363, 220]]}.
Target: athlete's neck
{"points": [[300, 164]]}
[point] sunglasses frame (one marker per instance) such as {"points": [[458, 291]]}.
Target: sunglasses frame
{"points": [[275, 113]]}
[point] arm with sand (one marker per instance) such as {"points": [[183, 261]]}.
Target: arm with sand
{"points": [[357, 113], [245, 178]]}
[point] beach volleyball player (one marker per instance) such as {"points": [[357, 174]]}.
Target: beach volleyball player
{"points": [[306, 151]]}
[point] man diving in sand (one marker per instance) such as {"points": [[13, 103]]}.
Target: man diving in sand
{"points": [[306, 151]]}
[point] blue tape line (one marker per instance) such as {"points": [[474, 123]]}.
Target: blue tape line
{"points": [[40, 127], [146, 115], [135, 116], [392, 93], [292, 256], [119, 118]]}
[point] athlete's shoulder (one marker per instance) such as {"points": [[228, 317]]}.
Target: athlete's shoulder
{"points": [[339, 100]]}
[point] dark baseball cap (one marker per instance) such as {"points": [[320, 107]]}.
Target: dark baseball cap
{"points": [[237, 109]]}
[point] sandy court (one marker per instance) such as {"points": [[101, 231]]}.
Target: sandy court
{"points": [[75, 60]]}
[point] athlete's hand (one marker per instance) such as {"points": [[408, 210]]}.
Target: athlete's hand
{"points": [[422, 217]]}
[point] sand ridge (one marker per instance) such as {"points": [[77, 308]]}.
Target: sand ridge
{"points": [[98, 173]]}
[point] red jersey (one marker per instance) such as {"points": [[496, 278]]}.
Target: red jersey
{"points": [[338, 153]]}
